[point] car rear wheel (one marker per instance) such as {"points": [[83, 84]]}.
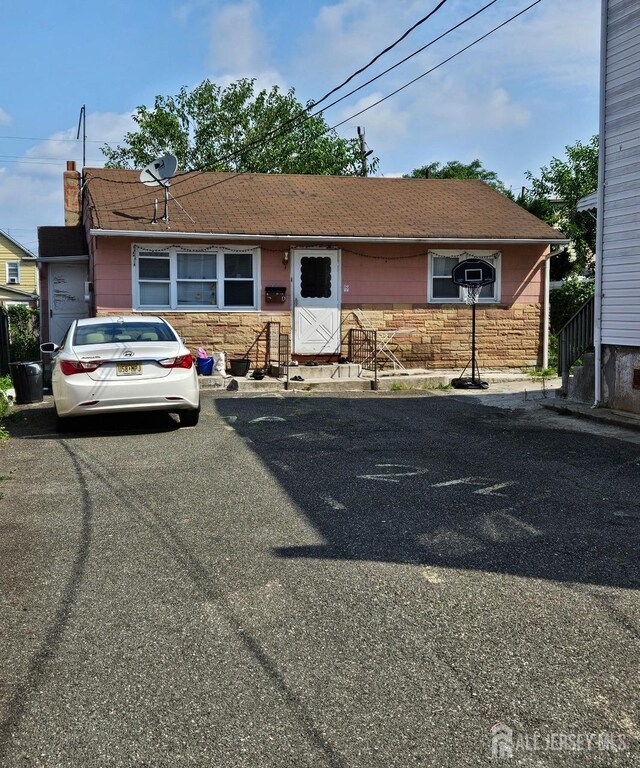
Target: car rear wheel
{"points": [[188, 418], [63, 426]]}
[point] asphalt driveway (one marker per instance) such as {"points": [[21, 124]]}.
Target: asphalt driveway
{"points": [[319, 581]]}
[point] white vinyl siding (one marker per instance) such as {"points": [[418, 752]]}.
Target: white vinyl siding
{"points": [[621, 225]]}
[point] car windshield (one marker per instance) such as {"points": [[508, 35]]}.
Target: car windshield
{"points": [[128, 332]]}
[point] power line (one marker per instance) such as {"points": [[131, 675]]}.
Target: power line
{"points": [[304, 114], [36, 138], [384, 98], [29, 160], [437, 66], [410, 56], [379, 55]]}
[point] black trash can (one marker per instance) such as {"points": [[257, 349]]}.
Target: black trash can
{"points": [[27, 381]]}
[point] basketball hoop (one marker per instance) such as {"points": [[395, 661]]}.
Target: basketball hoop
{"points": [[471, 293], [470, 276]]}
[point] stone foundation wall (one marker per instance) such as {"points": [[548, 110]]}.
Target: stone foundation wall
{"points": [[237, 334], [506, 337], [618, 366]]}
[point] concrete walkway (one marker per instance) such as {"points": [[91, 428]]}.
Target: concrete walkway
{"points": [[317, 379]]}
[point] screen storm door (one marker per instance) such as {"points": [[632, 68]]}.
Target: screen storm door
{"points": [[316, 302]]}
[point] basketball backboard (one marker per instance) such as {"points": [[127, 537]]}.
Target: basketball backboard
{"points": [[473, 272]]}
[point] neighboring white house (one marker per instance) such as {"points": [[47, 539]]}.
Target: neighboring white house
{"points": [[617, 299]]}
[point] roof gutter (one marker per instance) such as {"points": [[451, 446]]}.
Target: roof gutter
{"points": [[137, 234], [60, 259]]}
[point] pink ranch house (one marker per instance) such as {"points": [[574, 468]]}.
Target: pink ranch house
{"points": [[229, 257]]}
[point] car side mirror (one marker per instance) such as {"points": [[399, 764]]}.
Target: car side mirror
{"points": [[49, 347]]}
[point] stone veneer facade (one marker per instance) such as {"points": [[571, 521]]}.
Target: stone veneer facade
{"points": [[507, 336]]}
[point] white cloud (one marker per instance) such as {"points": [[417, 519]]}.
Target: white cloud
{"points": [[48, 157], [264, 80], [5, 119], [558, 42], [468, 109], [346, 35], [237, 41], [385, 125], [31, 191]]}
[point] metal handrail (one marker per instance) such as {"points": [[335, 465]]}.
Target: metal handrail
{"points": [[284, 357], [574, 339], [363, 346]]}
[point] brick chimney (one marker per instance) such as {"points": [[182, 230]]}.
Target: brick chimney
{"points": [[72, 196]]}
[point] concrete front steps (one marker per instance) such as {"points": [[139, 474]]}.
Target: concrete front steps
{"points": [[349, 378]]}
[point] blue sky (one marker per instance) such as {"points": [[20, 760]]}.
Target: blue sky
{"points": [[514, 101]]}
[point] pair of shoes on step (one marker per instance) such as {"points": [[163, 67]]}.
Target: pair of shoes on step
{"points": [[297, 378]]}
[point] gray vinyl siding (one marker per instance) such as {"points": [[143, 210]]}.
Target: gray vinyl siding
{"points": [[621, 226]]}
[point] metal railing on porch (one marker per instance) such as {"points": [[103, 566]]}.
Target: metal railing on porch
{"points": [[363, 345], [574, 339], [278, 349]]}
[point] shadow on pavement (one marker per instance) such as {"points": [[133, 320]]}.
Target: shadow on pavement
{"points": [[39, 422], [442, 481]]}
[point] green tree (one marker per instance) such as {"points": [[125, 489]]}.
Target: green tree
{"points": [[235, 129], [567, 300], [554, 195], [24, 333], [454, 169]]}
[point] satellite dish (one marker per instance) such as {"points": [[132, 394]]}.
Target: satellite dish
{"points": [[159, 171]]}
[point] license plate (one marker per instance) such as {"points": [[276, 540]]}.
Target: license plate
{"points": [[128, 369]]}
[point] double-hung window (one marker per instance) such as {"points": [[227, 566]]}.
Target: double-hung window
{"points": [[13, 272], [442, 289], [207, 279]]}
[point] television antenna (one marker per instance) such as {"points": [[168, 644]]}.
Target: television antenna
{"points": [[158, 174]]}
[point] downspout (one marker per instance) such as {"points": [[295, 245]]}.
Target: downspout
{"points": [[597, 320], [545, 313]]}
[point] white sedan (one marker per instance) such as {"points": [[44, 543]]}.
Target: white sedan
{"points": [[119, 364]]}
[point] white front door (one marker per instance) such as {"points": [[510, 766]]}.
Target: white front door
{"points": [[316, 301], [66, 297]]}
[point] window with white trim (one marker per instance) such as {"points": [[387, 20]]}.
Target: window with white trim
{"points": [[13, 272], [209, 278], [442, 289]]}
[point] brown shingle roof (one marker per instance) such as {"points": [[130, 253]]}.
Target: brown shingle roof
{"points": [[312, 206]]}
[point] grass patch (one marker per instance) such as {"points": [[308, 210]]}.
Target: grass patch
{"points": [[540, 373], [400, 386], [5, 384]]}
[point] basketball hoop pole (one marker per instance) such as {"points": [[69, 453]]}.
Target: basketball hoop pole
{"points": [[474, 365], [475, 382]]}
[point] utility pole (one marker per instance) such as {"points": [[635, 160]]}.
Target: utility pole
{"points": [[363, 150]]}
